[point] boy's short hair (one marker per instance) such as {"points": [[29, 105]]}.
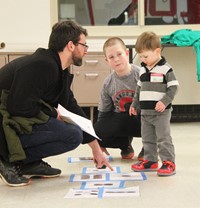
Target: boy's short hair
{"points": [[147, 41], [112, 41]]}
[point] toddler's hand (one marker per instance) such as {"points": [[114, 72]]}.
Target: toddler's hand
{"points": [[160, 107]]}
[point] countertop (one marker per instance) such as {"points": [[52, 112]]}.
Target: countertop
{"points": [[95, 45]]}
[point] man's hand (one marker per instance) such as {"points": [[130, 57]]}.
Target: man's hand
{"points": [[99, 158], [103, 149], [58, 115]]}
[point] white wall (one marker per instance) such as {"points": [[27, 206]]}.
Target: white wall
{"points": [[25, 21]]}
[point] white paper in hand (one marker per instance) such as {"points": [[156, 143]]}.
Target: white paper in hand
{"points": [[84, 123]]}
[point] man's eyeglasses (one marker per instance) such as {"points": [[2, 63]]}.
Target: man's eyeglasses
{"points": [[85, 46]]}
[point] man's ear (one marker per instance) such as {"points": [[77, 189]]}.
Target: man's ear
{"points": [[70, 45], [127, 52]]}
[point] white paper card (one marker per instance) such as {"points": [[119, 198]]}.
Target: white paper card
{"points": [[84, 123], [100, 184], [92, 170], [132, 176], [123, 192], [79, 159], [84, 159], [88, 177], [82, 193]]}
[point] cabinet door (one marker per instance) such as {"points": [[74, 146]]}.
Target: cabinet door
{"points": [[13, 56], [3, 60], [88, 79]]}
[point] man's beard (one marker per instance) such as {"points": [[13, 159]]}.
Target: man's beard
{"points": [[77, 61]]}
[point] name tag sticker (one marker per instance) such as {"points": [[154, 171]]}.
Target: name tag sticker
{"points": [[155, 77]]}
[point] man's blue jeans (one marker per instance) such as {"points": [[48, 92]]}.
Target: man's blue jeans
{"points": [[52, 138]]}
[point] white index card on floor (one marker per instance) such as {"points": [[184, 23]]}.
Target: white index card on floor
{"points": [[84, 159], [122, 192], [132, 176], [100, 184], [88, 177], [79, 159], [104, 170], [80, 193]]}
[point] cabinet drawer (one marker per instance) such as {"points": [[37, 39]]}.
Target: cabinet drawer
{"points": [[87, 85], [93, 62], [12, 57], [88, 79]]}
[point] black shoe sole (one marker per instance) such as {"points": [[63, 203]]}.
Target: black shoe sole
{"points": [[164, 175], [14, 185], [41, 176]]}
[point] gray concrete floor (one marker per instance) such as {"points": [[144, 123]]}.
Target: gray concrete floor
{"points": [[180, 190]]}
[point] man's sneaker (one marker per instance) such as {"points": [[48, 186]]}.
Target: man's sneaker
{"points": [[145, 165], [141, 155], [168, 168], [127, 153], [39, 169], [11, 175]]}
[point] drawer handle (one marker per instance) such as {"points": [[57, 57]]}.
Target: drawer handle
{"points": [[91, 74], [91, 61]]}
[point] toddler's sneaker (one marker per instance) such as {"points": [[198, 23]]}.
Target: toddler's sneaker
{"points": [[145, 165], [127, 153], [141, 155], [168, 168]]}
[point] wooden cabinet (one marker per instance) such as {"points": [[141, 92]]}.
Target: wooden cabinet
{"points": [[7, 57], [14, 56], [88, 79], [3, 60]]}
